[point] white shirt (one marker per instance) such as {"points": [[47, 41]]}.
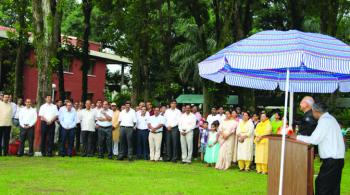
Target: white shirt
{"points": [[142, 121], [172, 117], [68, 119], [48, 111], [87, 119], [18, 108], [14, 109], [187, 122], [99, 114], [328, 137], [127, 119], [139, 112], [27, 116], [211, 118], [154, 121]]}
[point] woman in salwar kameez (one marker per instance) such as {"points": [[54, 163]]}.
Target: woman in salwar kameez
{"points": [[262, 144], [227, 136], [245, 136]]}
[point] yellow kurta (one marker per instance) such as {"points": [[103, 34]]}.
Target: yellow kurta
{"points": [[245, 149], [115, 124], [261, 149]]}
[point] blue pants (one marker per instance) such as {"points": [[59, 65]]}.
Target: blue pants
{"points": [[67, 134], [142, 144]]}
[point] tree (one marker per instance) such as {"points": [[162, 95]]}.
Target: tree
{"points": [[45, 42], [87, 7]]}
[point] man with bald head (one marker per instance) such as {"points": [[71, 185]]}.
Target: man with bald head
{"points": [[308, 123]]}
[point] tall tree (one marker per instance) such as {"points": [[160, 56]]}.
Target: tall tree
{"points": [[21, 7], [45, 43], [87, 8]]}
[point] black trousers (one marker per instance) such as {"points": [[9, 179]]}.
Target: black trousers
{"points": [[195, 142], [126, 142], [173, 144], [329, 178], [77, 137], [163, 146], [87, 137], [4, 139], [26, 134], [105, 139], [47, 136], [95, 141]]}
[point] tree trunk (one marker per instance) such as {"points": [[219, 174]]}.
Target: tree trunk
{"points": [[21, 7], [59, 53], [328, 16], [296, 13], [43, 43], [87, 8]]}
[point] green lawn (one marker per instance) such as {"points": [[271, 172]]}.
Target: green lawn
{"points": [[95, 176]]}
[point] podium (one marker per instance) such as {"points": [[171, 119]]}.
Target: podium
{"points": [[298, 166]]}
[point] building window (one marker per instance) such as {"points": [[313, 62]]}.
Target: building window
{"points": [[68, 95], [92, 67], [67, 63], [90, 96]]}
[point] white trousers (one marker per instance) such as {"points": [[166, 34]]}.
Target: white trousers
{"points": [[155, 143], [115, 148], [186, 146]]}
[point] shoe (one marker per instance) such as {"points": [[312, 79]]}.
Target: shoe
{"points": [[110, 157], [90, 155], [83, 155], [62, 155], [174, 161], [120, 158], [130, 159], [100, 156], [49, 155], [19, 155], [70, 156]]}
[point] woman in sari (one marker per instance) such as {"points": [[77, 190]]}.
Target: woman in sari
{"points": [[262, 144], [227, 130]]}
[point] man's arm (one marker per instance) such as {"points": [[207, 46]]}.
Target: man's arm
{"points": [[317, 136]]}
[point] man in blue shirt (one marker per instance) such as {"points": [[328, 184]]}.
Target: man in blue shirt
{"points": [[68, 120]]}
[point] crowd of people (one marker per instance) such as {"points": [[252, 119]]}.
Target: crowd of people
{"points": [[221, 139]]}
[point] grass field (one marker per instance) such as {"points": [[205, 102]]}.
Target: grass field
{"points": [[37, 175]]}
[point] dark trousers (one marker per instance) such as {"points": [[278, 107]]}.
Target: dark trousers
{"points": [[163, 146], [47, 136], [126, 142], [87, 137], [77, 137], [26, 134], [173, 144], [67, 135], [95, 141], [4, 139], [329, 178], [105, 139], [195, 142], [142, 144]]}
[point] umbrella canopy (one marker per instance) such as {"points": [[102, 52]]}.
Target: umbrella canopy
{"points": [[317, 63]]}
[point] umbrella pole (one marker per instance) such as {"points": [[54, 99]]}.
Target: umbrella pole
{"points": [[291, 110], [280, 188]]}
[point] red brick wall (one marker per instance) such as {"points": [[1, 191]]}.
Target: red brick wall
{"points": [[72, 80]]}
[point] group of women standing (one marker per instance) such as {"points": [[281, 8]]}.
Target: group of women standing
{"points": [[237, 136]]}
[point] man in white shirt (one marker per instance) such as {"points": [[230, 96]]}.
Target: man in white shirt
{"points": [[196, 131], [213, 117], [18, 107], [68, 119], [142, 148], [48, 114], [127, 121], [155, 126], [27, 118], [172, 116], [5, 124], [97, 109], [104, 126], [187, 123], [328, 137], [87, 122]]}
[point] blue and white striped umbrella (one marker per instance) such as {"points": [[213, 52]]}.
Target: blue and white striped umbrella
{"points": [[317, 63]]}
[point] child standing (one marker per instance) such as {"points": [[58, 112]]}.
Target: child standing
{"points": [[213, 147], [203, 139]]}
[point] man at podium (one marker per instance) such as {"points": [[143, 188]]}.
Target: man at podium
{"points": [[328, 137]]}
